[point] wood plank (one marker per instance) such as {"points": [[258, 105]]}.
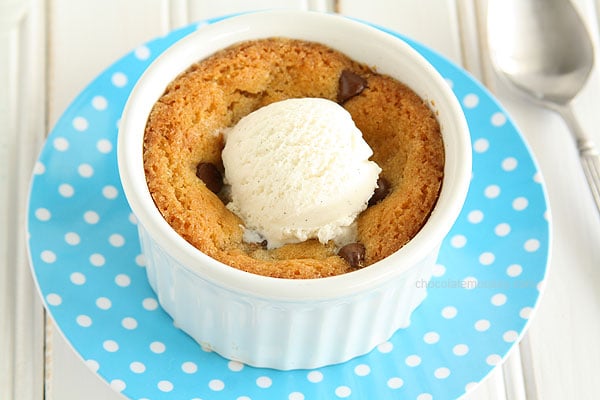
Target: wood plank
{"points": [[100, 31], [199, 10], [441, 15], [22, 118]]}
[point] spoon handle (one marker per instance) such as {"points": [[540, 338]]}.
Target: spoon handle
{"points": [[590, 160], [588, 153]]}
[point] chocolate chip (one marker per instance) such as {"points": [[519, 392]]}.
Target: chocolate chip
{"points": [[380, 193], [354, 254], [350, 84], [210, 175]]}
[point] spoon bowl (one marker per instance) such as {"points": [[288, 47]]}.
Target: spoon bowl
{"points": [[542, 48]]}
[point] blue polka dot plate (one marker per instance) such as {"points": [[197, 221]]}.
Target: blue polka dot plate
{"points": [[86, 260]]}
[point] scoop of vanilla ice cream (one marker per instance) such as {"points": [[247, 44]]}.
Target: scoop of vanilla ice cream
{"points": [[298, 169]]}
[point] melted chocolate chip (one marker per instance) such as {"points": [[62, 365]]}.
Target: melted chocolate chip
{"points": [[380, 193], [354, 254], [210, 175], [350, 84]]}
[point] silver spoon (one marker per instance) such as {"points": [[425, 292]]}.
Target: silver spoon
{"points": [[542, 48]]}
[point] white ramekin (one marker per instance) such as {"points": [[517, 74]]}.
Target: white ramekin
{"points": [[281, 323]]}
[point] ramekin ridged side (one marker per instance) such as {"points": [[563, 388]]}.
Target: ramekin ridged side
{"points": [[282, 335]]}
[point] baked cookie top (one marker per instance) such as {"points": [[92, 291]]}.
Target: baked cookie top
{"points": [[185, 129]]}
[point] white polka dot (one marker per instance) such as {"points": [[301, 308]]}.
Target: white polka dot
{"points": [[109, 192], [129, 323], [385, 347], [116, 240], [117, 385], [540, 286], [537, 177], [165, 386], [395, 383], [235, 366], [525, 312], [189, 367], [362, 370], [425, 396], [110, 345], [469, 283], [431, 337], [487, 258], [499, 299], [471, 386], [97, 260], [510, 336], [132, 219], [140, 260], [475, 216], [99, 103], [142, 53], [438, 270], [498, 119], [122, 280], [493, 359], [482, 325], [471, 100], [43, 214], [514, 270], [104, 146], [84, 321], [520, 203], [296, 396], [80, 124], [238, 398], [460, 349], [264, 382], [449, 82], [77, 278], [449, 312], [53, 299], [502, 229], [72, 238], [458, 241], [92, 365], [103, 303], [39, 168], [441, 373], [343, 391], [91, 217], [48, 256], [150, 304], [85, 170], [157, 347], [137, 367], [532, 245], [314, 376], [216, 385], [481, 145], [60, 144], [206, 347], [509, 164], [66, 190], [413, 360], [492, 191], [119, 79]]}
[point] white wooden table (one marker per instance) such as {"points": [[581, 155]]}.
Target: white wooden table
{"points": [[50, 49]]}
